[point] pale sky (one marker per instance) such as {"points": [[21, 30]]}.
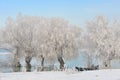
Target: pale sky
{"points": [[75, 11]]}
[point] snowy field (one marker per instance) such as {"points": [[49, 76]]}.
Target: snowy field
{"points": [[113, 74]]}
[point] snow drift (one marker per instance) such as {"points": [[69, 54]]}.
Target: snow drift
{"points": [[108, 74]]}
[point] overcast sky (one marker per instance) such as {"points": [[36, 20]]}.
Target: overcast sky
{"points": [[75, 11]]}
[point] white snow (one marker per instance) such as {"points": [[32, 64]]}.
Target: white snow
{"points": [[108, 74]]}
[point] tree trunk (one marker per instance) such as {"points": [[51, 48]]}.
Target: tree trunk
{"points": [[106, 64], [109, 63], [28, 65], [16, 64], [89, 61], [42, 63], [61, 61], [16, 60], [17, 67]]}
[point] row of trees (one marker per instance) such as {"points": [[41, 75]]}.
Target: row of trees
{"points": [[43, 38], [102, 40], [55, 39]]}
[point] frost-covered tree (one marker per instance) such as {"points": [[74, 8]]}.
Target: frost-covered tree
{"points": [[41, 40], [19, 34], [102, 36], [8, 39], [65, 40], [116, 38], [88, 50]]}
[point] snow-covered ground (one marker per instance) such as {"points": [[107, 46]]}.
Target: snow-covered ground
{"points": [[110, 74]]}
